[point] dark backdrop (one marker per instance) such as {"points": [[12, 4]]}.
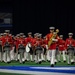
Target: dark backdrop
{"points": [[38, 16]]}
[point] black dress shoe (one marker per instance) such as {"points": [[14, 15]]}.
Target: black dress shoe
{"points": [[55, 63], [23, 62], [64, 61], [40, 62], [52, 65], [72, 63], [8, 62]]}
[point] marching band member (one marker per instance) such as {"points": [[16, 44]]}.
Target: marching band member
{"points": [[33, 46], [38, 49], [70, 48], [61, 48], [42, 54], [52, 48], [7, 44], [21, 48], [29, 47]]}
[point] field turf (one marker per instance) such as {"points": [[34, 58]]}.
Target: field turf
{"points": [[14, 63]]}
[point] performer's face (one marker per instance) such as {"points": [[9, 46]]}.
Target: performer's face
{"points": [[7, 33], [17, 36], [35, 36], [21, 36], [70, 36], [51, 31], [29, 35], [61, 37], [38, 38]]}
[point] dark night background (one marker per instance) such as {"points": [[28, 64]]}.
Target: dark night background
{"points": [[38, 15]]}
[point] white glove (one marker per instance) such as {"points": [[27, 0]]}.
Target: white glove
{"points": [[46, 46], [55, 40]]}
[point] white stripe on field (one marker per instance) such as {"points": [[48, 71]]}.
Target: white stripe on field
{"points": [[31, 72], [55, 68]]}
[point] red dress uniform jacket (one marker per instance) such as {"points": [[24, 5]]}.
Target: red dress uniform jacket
{"points": [[38, 42], [8, 39], [69, 41], [61, 44], [21, 41], [33, 41], [53, 45], [29, 39], [26, 41]]}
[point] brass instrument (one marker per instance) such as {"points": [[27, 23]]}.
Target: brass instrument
{"points": [[53, 37]]}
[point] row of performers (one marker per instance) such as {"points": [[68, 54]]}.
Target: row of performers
{"points": [[28, 48]]}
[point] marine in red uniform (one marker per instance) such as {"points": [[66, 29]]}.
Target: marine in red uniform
{"points": [[33, 46], [34, 41], [52, 47], [61, 43], [7, 45], [38, 41], [29, 41], [69, 41], [21, 40], [38, 49], [7, 39], [16, 46], [61, 48], [29, 38], [70, 48], [21, 47], [29, 48]]}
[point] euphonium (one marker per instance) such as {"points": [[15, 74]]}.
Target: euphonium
{"points": [[53, 37]]}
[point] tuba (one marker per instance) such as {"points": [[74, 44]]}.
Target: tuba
{"points": [[53, 37]]}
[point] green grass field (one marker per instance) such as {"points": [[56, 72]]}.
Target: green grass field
{"points": [[1, 73], [14, 63]]}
